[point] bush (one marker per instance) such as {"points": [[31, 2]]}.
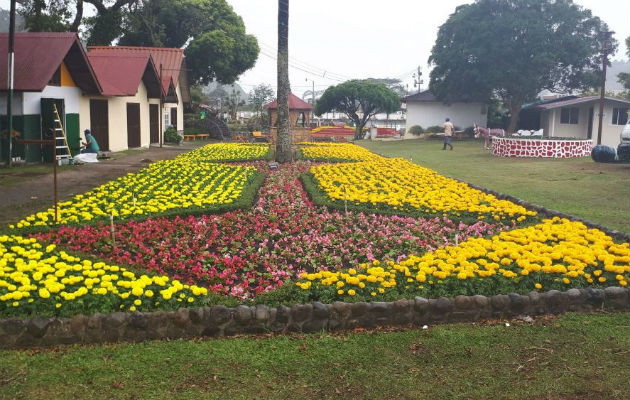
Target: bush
{"points": [[171, 136], [435, 129], [603, 154], [469, 132], [416, 130]]}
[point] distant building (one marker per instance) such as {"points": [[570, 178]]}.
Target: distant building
{"points": [[577, 117], [424, 109]]}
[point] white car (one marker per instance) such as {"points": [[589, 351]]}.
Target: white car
{"points": [[625, 134]]}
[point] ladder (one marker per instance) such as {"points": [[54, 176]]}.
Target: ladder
{"points": [[61, 141]]}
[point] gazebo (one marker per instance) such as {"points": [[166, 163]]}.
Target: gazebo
{"points": [[299, 116]]}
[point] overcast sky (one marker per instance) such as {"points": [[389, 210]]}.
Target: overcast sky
{"points": [[334, 40], [366, 38]]}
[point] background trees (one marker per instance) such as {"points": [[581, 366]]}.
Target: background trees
{"points": [[359, 100], [515, 49], [216, 44]]}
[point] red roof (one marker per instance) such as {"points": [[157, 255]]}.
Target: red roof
{"points": [[295, 103], [37, 57], [120, 74], [171, 59]]}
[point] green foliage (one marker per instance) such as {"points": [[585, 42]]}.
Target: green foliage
{"points": [[171, 136], [392, 83], [515, 49], [434, 129], [259, 96], [358, 96], [46, 16], [416, 130]]}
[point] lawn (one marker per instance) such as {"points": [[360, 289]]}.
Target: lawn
{"points": [[570, 357], [580, 187]]}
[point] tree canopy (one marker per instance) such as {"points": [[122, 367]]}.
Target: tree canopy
{"points": [[515, 49], [624, 77], [359, 100], [216, 44], [259, 96]]}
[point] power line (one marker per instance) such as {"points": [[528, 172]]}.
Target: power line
{"points": [[314, 73]]}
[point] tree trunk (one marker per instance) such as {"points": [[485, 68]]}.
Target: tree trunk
{"points": [[515, 109], [283, 145]]}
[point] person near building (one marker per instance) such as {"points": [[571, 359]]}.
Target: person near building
{"points": [[449, 129], [90, 145]]}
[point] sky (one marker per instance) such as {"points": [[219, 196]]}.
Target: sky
{"points": [[335, 40]]}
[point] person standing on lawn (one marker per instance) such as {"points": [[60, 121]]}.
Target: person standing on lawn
{"points": [[449, 128]]}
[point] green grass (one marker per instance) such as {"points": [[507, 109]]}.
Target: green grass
{"points": [[572, 357], [578, 186]]}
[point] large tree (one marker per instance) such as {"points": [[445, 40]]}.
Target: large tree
{"points": [[283, 147], [515, 49], [359, 100], [624, 77], [216, 44]]}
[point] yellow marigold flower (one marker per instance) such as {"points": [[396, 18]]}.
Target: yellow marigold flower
{"points": [[538, 286], [351, 292]]}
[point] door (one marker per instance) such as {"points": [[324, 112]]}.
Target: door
{"points": [[133, 125], [99, 122], [154, 123], [48, 125], [589, 132], [174, 117]]}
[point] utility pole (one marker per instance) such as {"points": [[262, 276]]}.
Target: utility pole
{"points": [[10, 70], [606, 35], [417, 79]]}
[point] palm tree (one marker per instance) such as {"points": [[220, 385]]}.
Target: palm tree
{"points": [[283, 146]]}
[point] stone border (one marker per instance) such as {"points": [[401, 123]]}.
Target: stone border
{"points": [[541, 147], [218, 321]]}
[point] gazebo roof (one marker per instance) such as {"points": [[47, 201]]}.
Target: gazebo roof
{"points": [[295, 103]]}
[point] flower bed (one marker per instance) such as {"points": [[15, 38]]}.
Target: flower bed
{"points": [[228, 152], [42, 280], [164, 187], [248, 252], [556, 254], [335, 152], [401, 186]]}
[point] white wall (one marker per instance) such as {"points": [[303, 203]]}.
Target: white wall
{"points": [[610, 133], [117, 114], [462, 115], [17, 108], [71, 96], [166, 108]]}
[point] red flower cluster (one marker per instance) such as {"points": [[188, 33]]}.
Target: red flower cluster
{"points": [[247, 252]]}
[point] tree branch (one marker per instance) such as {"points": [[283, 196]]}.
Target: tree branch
{"points": [[78, 17]]}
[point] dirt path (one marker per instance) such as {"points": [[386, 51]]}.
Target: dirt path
{"points": [[35, 193]]}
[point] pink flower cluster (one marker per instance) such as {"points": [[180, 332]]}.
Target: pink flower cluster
{"points": [[247, 252]]}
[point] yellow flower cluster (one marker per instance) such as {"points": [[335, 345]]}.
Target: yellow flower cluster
{"points": [[42, 278], [228, 152], [554, 252], [401, 184], [154, 190], [336, 151]]}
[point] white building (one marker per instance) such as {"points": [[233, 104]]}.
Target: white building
{"points": [[425, 110]]}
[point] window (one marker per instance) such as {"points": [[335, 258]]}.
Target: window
{"points": [[167, 119], [569, 115], [620, 116], [56, 78]]}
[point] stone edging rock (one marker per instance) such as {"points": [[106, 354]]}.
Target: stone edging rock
{"points": [[217, 321]]}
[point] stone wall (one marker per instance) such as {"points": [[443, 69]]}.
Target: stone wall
{"points": [[219, 321], [512, 147]]}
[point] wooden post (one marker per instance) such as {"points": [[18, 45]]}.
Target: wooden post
{"points": [[111, 230]]}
